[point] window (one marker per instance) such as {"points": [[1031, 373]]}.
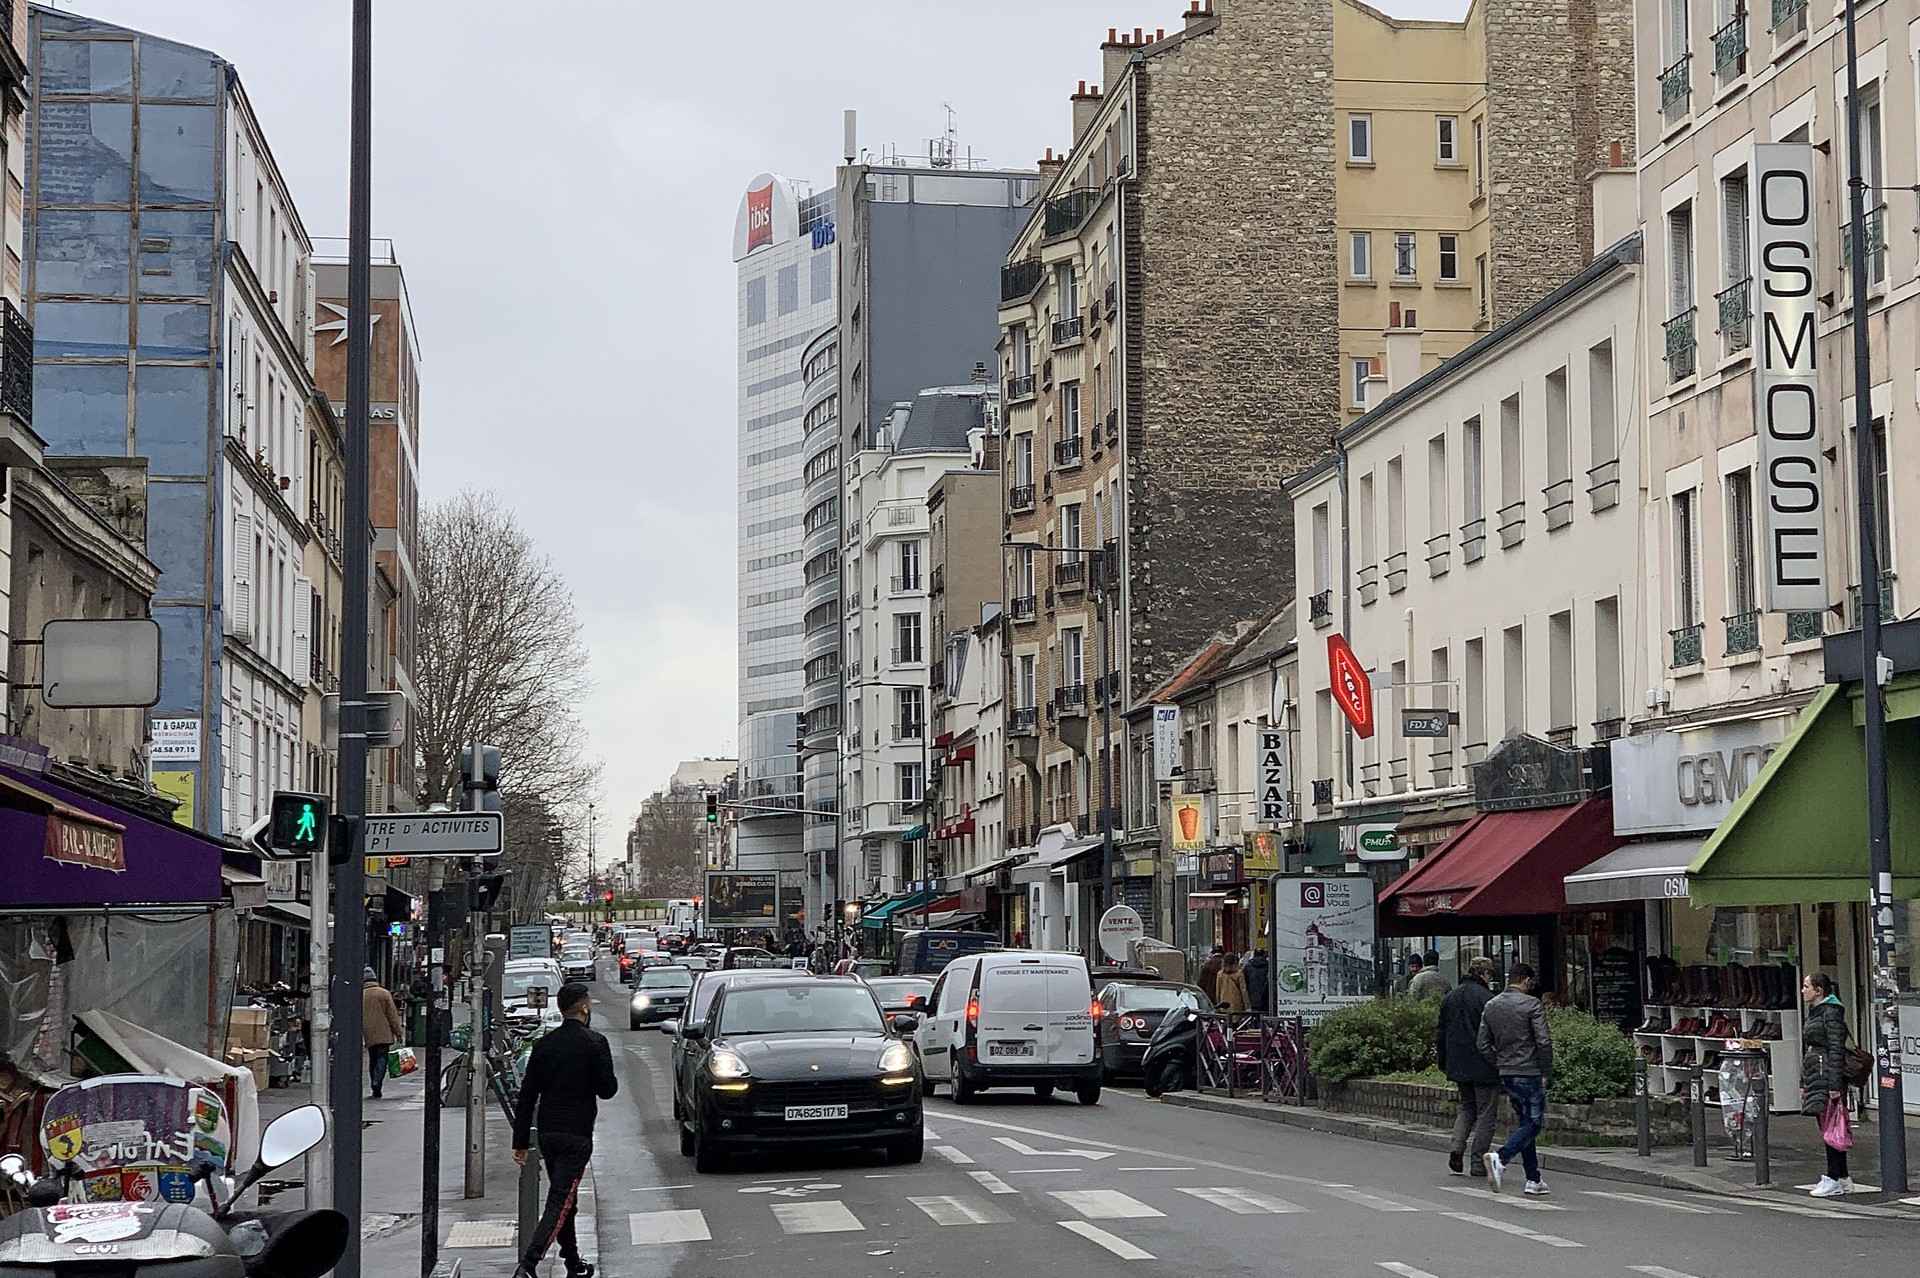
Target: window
{"points": [[1734, 229], [1437, 486], [1882, 511], [1396, 506], [1359, 138], [1322, 540], [907, 778], [1513, 672], [788, 284], [1473, 709], [1450, 257], [1741, 589], [1323, 730], [1606, 659], [1404, 265], [907, 717], [1601, 443], [1023, 460], [1025, 690], [1066, 291], [910, 565], [1367, 520], [1069, 410], [1362, 374], [1676, 31], [1026, 569], [1680, 259], [1022, 343], [757, 300], [1070, 529], [1512, 470], [1872, 141], [1479, 157], [906, 638], [1560, 671], [1073, 656], [822, 283], [1686, 548], [1360, 255], [1447, 138], [1559, 442], [1480, 283], [1470, 491]]}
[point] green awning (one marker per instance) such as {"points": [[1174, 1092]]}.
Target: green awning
{"points": [[915, 834], [1798, 833], [879, 914]]}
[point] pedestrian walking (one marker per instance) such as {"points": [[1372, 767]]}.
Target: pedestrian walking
{"points": [[1823, 1079], [380, 1026], [1210, 974], [1231, 985], [569, 1073], [1427, 980], [1456, 1048], [1259, 983], [1514, 1039]]}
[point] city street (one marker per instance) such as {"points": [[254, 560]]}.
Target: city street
{"points": [[1013, 1179]]}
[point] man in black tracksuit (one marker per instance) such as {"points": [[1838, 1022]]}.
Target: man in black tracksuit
{"points": [[569, 1073]]}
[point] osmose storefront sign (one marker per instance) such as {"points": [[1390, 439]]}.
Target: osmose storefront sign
{"points": [[1685, 780]]}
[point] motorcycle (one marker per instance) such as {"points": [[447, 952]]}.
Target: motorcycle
{"points": [[1170, 1062], [60, 1234]]}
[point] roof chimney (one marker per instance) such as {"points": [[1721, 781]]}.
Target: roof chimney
{"points": [[1049, 166], [1159, 34], [1138, 36], [1086, 105], [1403, 357], [1616, 200], [1196, 14], [1113, 57]]}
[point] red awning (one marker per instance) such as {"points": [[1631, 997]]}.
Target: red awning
{"points": [[1502, 864], [962, 755]]}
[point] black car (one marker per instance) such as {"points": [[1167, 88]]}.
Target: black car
{"points": [[809, 1060], [706, 985], [660, 994], [1130, 1012]]}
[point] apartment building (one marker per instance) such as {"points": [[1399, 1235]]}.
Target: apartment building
{"points": [[963, 585], [20, 447], [323, 569], [820, 692]]}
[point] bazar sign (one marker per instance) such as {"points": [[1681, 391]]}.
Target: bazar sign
{"points": [[74, 842], [1276, 784]]}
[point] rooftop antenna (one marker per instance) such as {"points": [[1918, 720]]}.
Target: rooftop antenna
{"points": [[940, 151]]}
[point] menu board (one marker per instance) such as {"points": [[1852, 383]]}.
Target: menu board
{"points": [[1616, 987]]}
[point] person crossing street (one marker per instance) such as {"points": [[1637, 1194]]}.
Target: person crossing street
{"points": [[569, 1073], [1514, 1038]]}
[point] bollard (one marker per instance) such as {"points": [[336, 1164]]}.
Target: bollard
{"points": [[1642, 1110], [1762, 1159], [529, 1192], [1697, 1115]]}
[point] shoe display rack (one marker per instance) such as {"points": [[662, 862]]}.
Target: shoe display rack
{"points": [[1684, 1029]]}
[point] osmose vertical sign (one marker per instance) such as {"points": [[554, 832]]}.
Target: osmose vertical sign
{"points": [[1793, 552]]}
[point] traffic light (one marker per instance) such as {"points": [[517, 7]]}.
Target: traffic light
{"points": [[607, 896], [480, 777], [483, 891], [713, 808], [297, 823]]}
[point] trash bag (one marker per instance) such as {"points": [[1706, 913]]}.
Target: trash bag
{"points": [[1740, 1095]]}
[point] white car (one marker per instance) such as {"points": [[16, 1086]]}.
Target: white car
{"points": [[576, 964], [519, 979], [1011, 1018]]}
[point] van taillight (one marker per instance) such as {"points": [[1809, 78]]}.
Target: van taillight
{"points": [[973, 1012], [1096, 1011]]}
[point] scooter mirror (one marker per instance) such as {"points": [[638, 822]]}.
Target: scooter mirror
{"points": [[12, 1166], [292, 1134]]}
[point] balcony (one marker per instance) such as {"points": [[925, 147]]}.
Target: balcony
{"points": [[16, 364], [1439, 550], [1070, 699], [908, 655], [1603, 486], [937, 579], [1020, 497], [1021, 607], [905, 583], [1743, 632], [1730, 48], [1473, 541], [1562, 736], [1320, 609], [1608, 729], [1019, 387], [1396, 572], [1066, 453], [908, 733], [1024, 721], [1106, 690], [1113, 427], [1367, 583], [1688, 645], [1886, 600], [1681, 345], [1789, 19], [1736, 315], [1070, 575], [1019, 280], [1513, 524], [1112, 298], [1876, 222], [1066, 212], [1676, 89], [1559, 499], [1805, 627], [1069, 330]]}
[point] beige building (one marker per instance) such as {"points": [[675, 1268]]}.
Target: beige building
{"points": [[322, 568]]}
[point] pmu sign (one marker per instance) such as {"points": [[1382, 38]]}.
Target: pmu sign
{"points": [[1352, 690], [1793, 551]]}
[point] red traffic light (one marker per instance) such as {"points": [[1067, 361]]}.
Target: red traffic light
{"points": [[607, 896]]}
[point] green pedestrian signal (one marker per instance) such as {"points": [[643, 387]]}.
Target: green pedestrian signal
{"points": [[713, 808], [298, 823]]}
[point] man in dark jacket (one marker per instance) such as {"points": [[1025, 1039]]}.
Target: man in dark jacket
{"points": [[568, 1074], [1210, 974], [1514, 1037], [1456, 1049], [1259, 987]]}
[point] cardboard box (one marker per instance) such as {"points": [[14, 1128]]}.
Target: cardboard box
{"points": [[247, 1027]]}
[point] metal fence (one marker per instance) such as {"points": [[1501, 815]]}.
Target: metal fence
{"points": [[1246, 1054]]}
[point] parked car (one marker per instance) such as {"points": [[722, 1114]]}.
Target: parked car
{"points": [[660, 994], [1131, 1010], [868, 968], [1012, 1018]]}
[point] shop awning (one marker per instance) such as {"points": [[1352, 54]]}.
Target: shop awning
{"points": [[1037, 870], [1503, 864], [879, 914], [991, 868], [298, 913], [954, 918], [248, 891], [61, 849], [1655, 871], [1798, 833], [915, 833]]}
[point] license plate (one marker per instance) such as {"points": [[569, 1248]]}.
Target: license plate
{"points": [[814, 1113], [1009, 1049]]}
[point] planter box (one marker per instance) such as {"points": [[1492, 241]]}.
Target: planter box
{"points": [[1602, 1122]]}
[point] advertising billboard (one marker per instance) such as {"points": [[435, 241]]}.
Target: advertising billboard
{"points": [[768, 214], [743, 898], [1323, 943]]}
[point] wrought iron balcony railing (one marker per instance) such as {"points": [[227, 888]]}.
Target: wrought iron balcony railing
{"points": [[1736, 315], [1805, 626], [1068, 330], [1730, 47], [1688, 644], [16, 363], [1066, 452], [1743, 632], [1876, 222], [1020, 387], [1020, 497], [1681, 345], [1676, 88]]}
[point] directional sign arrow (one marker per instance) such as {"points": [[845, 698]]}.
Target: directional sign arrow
{"points": [[1021, 1147]]}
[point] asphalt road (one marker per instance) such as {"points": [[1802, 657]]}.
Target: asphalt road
{"points": [[1012, 1181]]}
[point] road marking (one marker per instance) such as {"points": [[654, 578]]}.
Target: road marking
{"points": [[927, 1133], [1118, 1246], [784, 1180], [830, 1217], [1044, 1171], [952, 1155], [1658, 1271], [1518, 1231], [948, 1209], [1153, 1169], [1242, 1202], [992, 1183], [1105, 1204], [654, 1189], [1021, 1147], [1405, 1271], [651, 1228], [1376, 1202], [1505, 1200], [1648, 1200], [1795, 1209], [956, 1117]]}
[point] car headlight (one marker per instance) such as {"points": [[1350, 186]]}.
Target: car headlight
{"points": [[726, 1064], [642, 1001], [897, 1058]]}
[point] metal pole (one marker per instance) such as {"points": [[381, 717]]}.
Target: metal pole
{"points": [[529, 1205], [430, 1124], [319, 1022], [476, 1168], [1762, 1155], [1886, 985], [350, 907], [1697, 1114], [1642, 1117], [1106, 749]]}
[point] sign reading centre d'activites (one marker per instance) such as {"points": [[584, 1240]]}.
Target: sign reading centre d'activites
{"points": [[434, 834], [1793, 553]]}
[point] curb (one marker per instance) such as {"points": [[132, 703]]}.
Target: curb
{"points": [[1315, 1120]]}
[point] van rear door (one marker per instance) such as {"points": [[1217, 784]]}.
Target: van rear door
{"points": [[1034, 1010]]}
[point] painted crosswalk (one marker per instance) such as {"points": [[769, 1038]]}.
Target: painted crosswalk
{"points": [[828, 1217], [1105, 1204], [949, 1209], [992, 1183], [1112, 1242], [1682, 1206], [1508, 1227], [1241, 1202], [653, 1228]]}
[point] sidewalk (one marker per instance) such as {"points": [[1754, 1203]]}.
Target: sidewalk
{"points": [[1797, 1157]]}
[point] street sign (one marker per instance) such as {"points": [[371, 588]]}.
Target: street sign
{"points": [[1276, 784], [1119, 928], [1378, 843], [1352, 690], [434, 834], [530, 940], [1424, 723]]}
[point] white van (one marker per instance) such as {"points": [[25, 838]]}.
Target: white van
{"points": [[1011, 1018]]}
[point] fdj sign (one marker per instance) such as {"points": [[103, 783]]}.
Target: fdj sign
{"points": [[1793, 549]]}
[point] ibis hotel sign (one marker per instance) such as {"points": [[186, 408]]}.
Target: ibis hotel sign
{"points": [[1793, 551]]}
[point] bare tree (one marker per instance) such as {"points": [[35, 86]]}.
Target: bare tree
{"points": [[667, 843], [501, 661]]}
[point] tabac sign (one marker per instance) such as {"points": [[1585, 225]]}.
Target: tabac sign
{"points": [[1793, 556]]}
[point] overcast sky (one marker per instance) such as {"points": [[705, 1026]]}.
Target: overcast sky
{"points": [[560, 179]]}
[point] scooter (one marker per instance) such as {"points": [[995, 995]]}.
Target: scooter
{"points": [[170, 1239], [1171, 1057]]}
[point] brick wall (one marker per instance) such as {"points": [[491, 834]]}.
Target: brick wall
{"points": [[1232, 378]]}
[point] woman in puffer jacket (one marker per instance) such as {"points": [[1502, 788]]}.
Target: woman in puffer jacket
{"points": [[1823, 1072]]}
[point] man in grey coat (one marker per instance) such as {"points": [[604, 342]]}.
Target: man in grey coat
{"points": [[1456, 1050], [1513, 1036]]}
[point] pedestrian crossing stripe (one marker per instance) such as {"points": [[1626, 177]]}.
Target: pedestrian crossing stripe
{"points": [[1242, 1202], [653, 1228], [1112, 1242], [1518, 1231], [948, 1209], [1667, 1204], [828, 1217], [1105, 1204], [992, 1183]]}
